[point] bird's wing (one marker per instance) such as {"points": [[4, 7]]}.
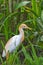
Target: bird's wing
{"points": [[8, 46], [11, 44], [10, 41]]}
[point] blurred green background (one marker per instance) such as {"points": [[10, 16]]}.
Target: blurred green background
{"points": [[12, 14]]}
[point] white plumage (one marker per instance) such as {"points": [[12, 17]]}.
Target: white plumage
{"points": [[12, 44], [15, 40]]}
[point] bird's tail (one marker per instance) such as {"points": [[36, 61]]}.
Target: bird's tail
{"points": [[3, 53]]}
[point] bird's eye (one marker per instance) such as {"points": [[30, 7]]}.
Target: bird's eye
{"points": [[24, 26]]}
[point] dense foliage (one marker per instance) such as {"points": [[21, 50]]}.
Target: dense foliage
{"points": [[12, 14]]}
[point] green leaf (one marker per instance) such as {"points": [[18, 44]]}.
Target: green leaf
{"points": [[1, 15], [2, 44], [22, 4], [1, 59], [34, 55], [41, 38], [27, 55], [42, 15]]}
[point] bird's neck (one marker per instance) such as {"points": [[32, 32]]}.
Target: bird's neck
{"points": [[21, 32]]}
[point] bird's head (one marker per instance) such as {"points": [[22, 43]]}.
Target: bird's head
{"points": [[24, 26]]}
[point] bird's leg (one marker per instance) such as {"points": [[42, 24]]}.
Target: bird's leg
{"points": [[7, 55]]}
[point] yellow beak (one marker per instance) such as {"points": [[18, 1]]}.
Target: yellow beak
{"points": [[29, 28]]}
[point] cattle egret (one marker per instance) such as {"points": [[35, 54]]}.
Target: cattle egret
{"points": [[15, 40]]}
